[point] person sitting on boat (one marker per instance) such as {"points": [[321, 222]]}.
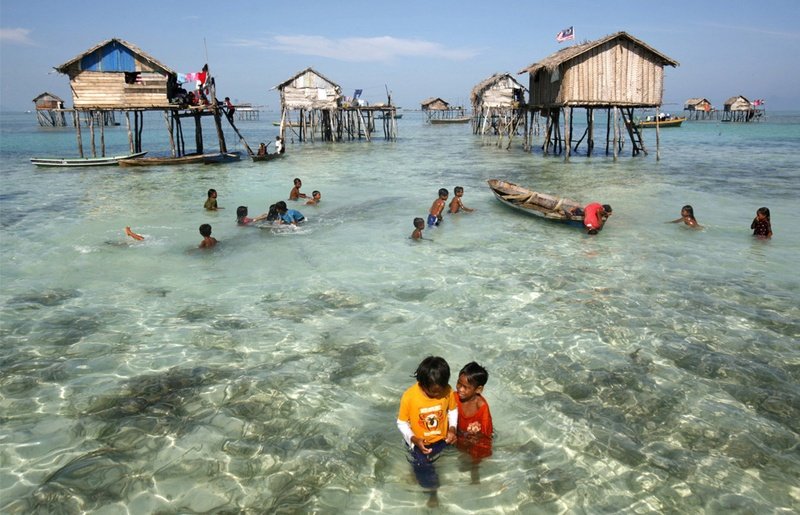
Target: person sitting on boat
{"points": [[262, 149], [279, 147], [687, 217], [594, 216]]}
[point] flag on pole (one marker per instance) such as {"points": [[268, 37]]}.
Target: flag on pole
{"points": [[565, 35]]}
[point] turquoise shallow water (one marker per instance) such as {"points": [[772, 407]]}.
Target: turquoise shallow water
{"points": [[651, 368]]}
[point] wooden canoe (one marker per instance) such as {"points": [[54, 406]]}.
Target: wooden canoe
{"points": [[440, 121], [267, 157], [671, 122], [217, 157], [536, 203], [82, 161]]}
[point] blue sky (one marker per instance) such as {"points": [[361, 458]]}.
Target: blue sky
{"points": [[418, 49]]}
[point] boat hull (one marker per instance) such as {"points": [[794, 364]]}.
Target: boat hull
{"points": [[444, 121], [267, 157], [82, 161], [182, 160], [675, 122], [534, 203]]}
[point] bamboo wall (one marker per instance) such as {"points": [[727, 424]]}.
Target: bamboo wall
{"points": [[306, 92], [617, 73], [108, 90]]}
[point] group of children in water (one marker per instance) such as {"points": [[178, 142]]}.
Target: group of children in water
{"points": [[761, 225], [432, 416], [437, 210]]}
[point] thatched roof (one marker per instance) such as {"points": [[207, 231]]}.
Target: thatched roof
{"points": [[431, 100], [309, 69], [735, 99], [553, 61], [133, 48], [696, 101], [46, 94], [488, 83]]}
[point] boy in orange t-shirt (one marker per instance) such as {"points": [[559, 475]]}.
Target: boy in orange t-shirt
{"points": [[428, 418]]}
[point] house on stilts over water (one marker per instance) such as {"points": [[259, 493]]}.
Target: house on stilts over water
{"points": [[739, 109], [438, 111], [116, 75], [312, 106], [616, 74], [50, 110], [498, 107], [698, 109]]}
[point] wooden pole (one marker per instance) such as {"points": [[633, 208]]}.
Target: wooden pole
{"points": [[198, 133], [169, 131], [658, 136], [590, 131], [608, 128], [568, 131], [103, 140], [91, 132], [76, 116], [616, 134], [130, 134]]}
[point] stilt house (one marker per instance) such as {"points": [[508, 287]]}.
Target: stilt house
{"points": [[49, 110], [117, 75], [438, 110], [312, 105], [739, 109], [698, 109], [498, 106], [617, 73]]}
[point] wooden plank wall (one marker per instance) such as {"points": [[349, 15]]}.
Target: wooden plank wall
{"points": [[109, 91]]}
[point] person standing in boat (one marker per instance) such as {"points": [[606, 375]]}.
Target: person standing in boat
{"points": [[279, 148]]}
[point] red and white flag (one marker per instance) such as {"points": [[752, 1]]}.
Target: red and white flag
{"points": [[565, 35]]}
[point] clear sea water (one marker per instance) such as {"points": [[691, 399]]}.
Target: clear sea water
{"points": [[649, 369]]}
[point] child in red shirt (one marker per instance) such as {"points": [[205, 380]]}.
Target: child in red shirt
{"points": [[474, 418]]}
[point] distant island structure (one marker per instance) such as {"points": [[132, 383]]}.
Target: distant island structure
{"points": [[617, 73], [740, 109], [313, 106], [498, 107], [50, 110], [439, 111], [116, 75]]}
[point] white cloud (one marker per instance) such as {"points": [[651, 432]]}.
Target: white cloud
{"points": [[358, 49], [19, 36]]}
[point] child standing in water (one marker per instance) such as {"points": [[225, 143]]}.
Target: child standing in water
{"points": [[427, 419], [687, 217], [435, 215], [419, 225], [474, 418], [241, 216], [762, 226], [211, 202], [456, 204], [295, 193], [208, 240]]}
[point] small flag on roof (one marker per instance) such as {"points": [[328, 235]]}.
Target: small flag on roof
{"points": [[565, 35]]}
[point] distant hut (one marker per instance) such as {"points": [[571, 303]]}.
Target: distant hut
{"points": [[617, 73], [739, 109], [117, 75], [321, 110], [698, 109], [49, 110], [498, 106], [437, 109]]}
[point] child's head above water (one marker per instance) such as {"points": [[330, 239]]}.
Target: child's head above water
{"points": [[687, 210], [458, 190], [471, 380], [764, 212], [419, 223], [433, 376], [443, 193], [205, 230], [241, 212], [212, 193]]}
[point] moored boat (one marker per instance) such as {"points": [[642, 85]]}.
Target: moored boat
{"points": [[535, 203], [217, 157], [82, 161], [266, 157], [667, 122], [460, 119]]}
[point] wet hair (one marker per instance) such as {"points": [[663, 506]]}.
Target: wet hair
{"points": [[433, 371], [607, 208], [315, 192], [419, 222], [280, 206], [763, 211], [205, 230], [212, 190], [272, 214], [458, 189], [296, 180], [689, 209], [592, 231], [241, 212], [476, 375], [443, 191]]}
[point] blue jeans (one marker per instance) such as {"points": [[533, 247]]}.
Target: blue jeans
{"points": [[423, 464]]}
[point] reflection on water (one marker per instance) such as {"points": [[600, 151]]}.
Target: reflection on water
{"points": [[648, 369]]}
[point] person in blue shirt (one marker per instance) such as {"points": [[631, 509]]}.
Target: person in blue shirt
{"points": [[289, 216]]}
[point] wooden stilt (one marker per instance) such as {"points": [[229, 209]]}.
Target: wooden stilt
{"points": [[130, 134], [76, 116]]}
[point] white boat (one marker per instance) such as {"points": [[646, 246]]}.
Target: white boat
{"points": [[82, 161]]}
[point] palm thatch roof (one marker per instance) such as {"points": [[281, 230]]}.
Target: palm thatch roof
{"points": [[553, 61], [696, 101], [307, 70], [63, 68], [488, 83], [431, 100]]}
